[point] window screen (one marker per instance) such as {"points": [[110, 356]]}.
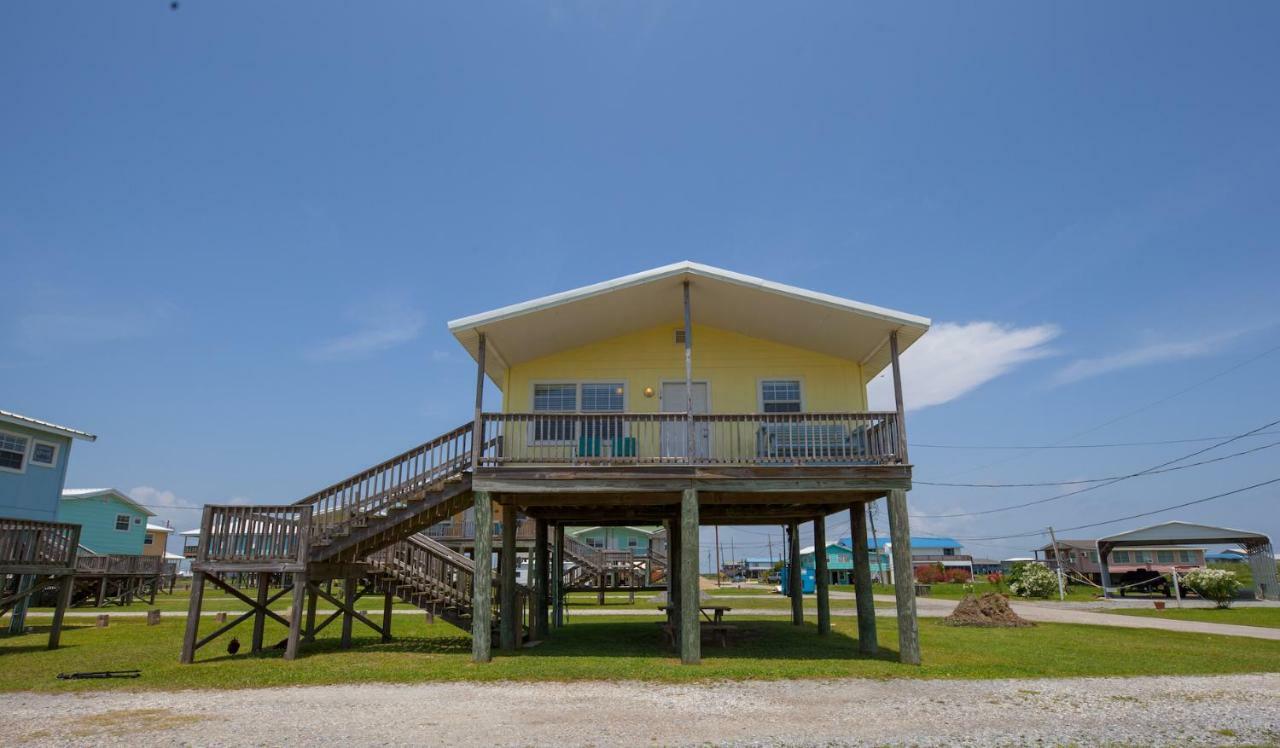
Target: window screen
{"points": [[780, 395], [13, 450], [122, 522]]}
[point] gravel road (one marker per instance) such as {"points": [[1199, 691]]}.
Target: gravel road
{"points": [[1199, 711]]}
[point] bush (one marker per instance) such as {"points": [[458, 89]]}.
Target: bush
{"points": [[1218, 585], [957, 575], [996, 579], [933, 574], [1033, 580]]}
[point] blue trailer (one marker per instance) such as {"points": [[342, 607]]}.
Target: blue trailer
{"points": [[808, 584]]}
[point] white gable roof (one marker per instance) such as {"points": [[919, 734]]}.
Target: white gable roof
{"points": [[45, 426], [1182, 533], [70, 494], [719, 298]]}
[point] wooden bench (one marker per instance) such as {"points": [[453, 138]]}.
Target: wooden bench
{"points": [[719, 632]]}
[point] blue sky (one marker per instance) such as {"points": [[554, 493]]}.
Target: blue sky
{"points": [[231, 234]]}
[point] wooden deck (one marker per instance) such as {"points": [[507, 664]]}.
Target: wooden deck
{"points": [[34, 554]]}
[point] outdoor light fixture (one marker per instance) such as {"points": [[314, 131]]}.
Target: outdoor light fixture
{"points": [[648, 392]]}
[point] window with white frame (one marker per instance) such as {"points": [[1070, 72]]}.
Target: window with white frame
{"points": [[1164, 557], [122, 522], [1120, 557], [554, 398], [150, 539], [603, 397], [13, 451], [780, 395], [44, 454]]}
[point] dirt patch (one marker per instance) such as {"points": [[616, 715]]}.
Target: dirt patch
{"points": [[990, 610], [121, 722]]}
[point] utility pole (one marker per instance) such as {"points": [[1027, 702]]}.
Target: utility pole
{"points": [[717, 555], [875, 545], [1057, 558]]}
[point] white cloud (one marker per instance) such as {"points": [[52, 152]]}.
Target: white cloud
{"points": [[41, 331], [1153, 353], [379, 329], [953, 359]]}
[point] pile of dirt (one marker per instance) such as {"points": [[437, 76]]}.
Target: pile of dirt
{"points": [[990, 610]]}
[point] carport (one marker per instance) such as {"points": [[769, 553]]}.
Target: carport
{"points": [[1262, 560]]}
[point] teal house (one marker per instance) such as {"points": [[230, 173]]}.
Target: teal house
{"points": [[637, 539], [110, 522], [839, 562], [33, 465]]}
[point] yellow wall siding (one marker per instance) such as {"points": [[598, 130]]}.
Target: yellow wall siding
{"points": [[733, 364]]}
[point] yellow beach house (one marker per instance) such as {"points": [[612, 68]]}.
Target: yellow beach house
{"points": [[682, 396]]}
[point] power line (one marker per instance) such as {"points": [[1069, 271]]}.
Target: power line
{"points": [[1107, 445], [1096, 486], [1183, 505], [1136, 411], [1100, 480]]}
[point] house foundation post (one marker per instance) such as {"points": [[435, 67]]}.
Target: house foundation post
{"points": [[690, 629], [482, 581], [540, 578], [822, 575], [510, 614], [862, 587], [795, 585], [904, 586]]}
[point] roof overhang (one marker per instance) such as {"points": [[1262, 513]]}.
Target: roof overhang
{"points": [[719, 298], [49, 428], [76, 494], [1180, 533]]}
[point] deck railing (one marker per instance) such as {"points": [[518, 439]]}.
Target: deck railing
{"points": [[449, 573], [718, 439], [255, 534], [466, 530], [120, 565], [33, 543], [375, 490]]}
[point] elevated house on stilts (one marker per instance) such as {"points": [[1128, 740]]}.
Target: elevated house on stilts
{"points": [[681, 396]]}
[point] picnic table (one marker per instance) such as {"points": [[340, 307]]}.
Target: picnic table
{"points": [[713, 613]]}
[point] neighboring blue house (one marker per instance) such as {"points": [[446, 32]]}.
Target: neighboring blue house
{"points": [[110, 522], [637, 539], [33, 465], [924, 552]]}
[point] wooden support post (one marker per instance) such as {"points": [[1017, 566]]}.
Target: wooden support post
{"points": [[510, 614], [904, 586], [65, 585], [897, 397], [795, 583], [260, 615], [690, 629], [822, 575], [388, 600], [295, 615], [690, 437], [349, 601], [193, 616], [540, 578], [477, 425], [862, 587], [557, 579], [309, 633], [600, 578], [102, 592], [673, 579], [482, 580]]}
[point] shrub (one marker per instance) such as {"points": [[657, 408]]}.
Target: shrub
{"points": [[1034, 580], [1218, 585], [996, 579], [957, 575], [933, 574]]}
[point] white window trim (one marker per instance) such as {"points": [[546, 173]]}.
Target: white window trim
{"points": [[26, 456], [149, 539], [57, 450], [577, 383], [128, 523], [804, 401]]}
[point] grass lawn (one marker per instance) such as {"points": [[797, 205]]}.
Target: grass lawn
{"points": [[1266, 617], [616, 648]]}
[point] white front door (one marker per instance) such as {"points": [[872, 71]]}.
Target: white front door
{"points": [[675, 440]]}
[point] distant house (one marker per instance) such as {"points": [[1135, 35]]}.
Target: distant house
{"points": [[839, 562], [1081, 557], [1229, 556], [33, 465], [110, 522], [156, 542], [925, 551], [750, 568], [638, 538]]}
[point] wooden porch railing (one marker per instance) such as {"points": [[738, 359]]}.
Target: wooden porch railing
{"points": [[108, 565], [448, 573], [466, 530], [275, 535], [32, 544], [719, 439], [377, 489]]}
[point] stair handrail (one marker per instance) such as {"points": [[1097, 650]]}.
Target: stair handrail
{"points": [[376, 488]]}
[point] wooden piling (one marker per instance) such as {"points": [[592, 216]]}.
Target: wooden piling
{"points": [[482, 580], [690, 628], [862, 586], [903, 579]]}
